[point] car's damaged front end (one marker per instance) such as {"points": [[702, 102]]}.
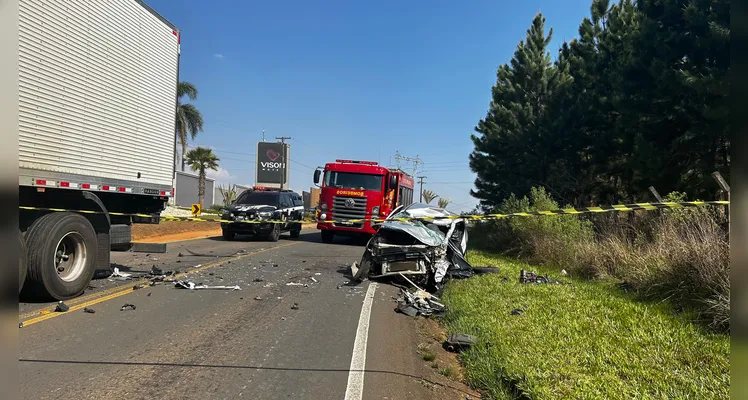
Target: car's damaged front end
{"points": [[417, 240]]}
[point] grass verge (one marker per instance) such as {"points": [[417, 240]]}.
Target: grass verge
{"points": [[584, 340]]}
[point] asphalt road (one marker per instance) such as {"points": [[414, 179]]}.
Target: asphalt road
{"points": [[229, 344]]}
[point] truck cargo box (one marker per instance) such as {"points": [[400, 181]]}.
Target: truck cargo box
{"points": [[97, 83]]}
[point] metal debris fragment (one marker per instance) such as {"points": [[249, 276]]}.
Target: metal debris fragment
{"points": [[295, 306], [192, 286], [127, 306], [89, 310]]}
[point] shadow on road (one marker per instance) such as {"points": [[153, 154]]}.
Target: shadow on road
{"points": [[255, 367]]}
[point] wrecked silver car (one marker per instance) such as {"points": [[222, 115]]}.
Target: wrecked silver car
{"points": [[430, 248]]}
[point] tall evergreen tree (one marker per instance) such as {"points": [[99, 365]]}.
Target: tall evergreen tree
{"points": [[512, 148]]}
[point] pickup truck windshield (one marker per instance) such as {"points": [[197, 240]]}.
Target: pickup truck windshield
{"points": [[249, 198], [352, 180]]}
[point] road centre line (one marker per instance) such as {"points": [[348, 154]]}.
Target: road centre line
{"points": [[355, 388], [95, 298]]}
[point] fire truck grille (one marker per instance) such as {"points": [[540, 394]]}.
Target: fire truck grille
{"points": [[342, 211]]}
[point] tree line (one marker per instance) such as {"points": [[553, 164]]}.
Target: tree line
{"points": [[639, 99]]}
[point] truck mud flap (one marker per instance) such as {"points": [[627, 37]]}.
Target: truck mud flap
{"points": [[121, 237]]}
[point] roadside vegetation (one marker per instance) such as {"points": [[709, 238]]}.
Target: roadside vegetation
{"points": [[637, 101], [584, 340]]}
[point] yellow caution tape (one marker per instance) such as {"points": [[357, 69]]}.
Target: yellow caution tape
{"points": [[581, 210]]}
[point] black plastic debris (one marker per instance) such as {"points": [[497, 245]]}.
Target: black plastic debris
{"points": [[180, 255], [418, 303], [258, 280], [295, 306], [156, 270], [136, 287], [127, 306], [20, 324], [89, 310], [61, 307], [149, 294], [517, 311], [459, 342]]}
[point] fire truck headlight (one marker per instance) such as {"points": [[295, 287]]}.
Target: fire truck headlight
{"points": [[323, 216], [375, 211], [323, 206]]}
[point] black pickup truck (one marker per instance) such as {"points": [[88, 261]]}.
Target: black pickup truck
{"points": [[256, 205]]}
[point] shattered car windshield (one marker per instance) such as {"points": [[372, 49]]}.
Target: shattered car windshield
{"points": [[352, 180], [249, 198]]}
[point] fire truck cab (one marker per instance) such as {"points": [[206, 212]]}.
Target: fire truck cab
{"points": [[352, 193]]}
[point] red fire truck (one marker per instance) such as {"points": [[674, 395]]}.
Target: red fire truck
{"points": [[353, 190]]}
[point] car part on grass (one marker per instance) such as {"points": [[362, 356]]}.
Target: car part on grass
{"points": [[517, 311], [459, 342], [531, 277], [429, 248], [193, 286]]}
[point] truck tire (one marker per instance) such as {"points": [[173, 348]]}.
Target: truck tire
{"points": [[327, 236], [22, 261], [295, 233], [120, 236], [62, 255], [275, 233], [227, 235]]}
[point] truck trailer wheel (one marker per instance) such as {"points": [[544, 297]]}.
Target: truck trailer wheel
{"points": [[22, 261], [62, 255]]}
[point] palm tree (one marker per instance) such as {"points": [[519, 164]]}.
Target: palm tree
{"points": [[201, 159], [443, 202], [429, 196], [189, 119]]}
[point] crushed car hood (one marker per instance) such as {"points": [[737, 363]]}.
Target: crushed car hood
{"points": [[418, 229]]}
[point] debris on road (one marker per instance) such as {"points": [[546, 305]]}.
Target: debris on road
{"points": [[61, 307], [89, 310], [459, 342], [297, 284], [192, 286], [156, 271], [418, 302], [127, 306], [313, 280], [258, 298], [117, 274], [318, 274], [258, 280], [20, 324], [295, 306]]}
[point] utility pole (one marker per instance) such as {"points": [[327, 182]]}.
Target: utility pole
{"points": [[263, 135], [420, 196], [283, 158]]}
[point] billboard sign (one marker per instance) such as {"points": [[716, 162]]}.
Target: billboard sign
{"points": [[272, 164]]}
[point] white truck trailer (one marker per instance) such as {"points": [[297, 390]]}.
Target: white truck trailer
{"points": [[97, 101]]}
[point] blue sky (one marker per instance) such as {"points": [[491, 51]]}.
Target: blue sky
{"points": [[355, 81]]}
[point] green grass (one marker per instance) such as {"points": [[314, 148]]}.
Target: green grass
{"points": [[585, 340]]}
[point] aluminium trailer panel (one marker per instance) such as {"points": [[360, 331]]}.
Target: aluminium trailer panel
{"points": [[97, 93]]}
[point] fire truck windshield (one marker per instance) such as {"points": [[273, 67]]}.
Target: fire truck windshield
{"points": [[352, 180]]}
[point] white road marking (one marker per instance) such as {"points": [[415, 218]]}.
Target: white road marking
{"points": [[355, 389]]}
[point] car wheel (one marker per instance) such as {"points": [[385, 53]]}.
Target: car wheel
{"points": [[275, 233], [295, 233], [62, 253], [228, 235]]}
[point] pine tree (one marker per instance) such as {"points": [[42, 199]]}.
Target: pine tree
{"points": [[513, 150]]}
